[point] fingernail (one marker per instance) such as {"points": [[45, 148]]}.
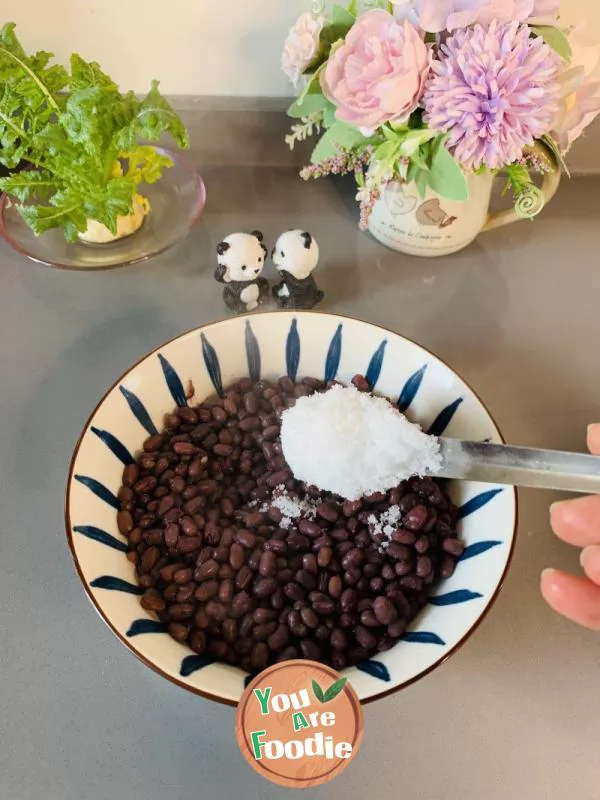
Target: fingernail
{"points": [[555, 506], [593, 426], [590, 552], [548, 579]]}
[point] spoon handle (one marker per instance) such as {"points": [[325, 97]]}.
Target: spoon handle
{"points": [[520, 466]]}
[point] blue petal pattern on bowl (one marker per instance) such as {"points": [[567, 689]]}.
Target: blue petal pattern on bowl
{"points": [[114, 445], [478, 502], [98, 535], [292, 351], [99, 490], [193, 663], [454, 598], [375, 669], [139, 410], [444, 418], [212, 364], [478, 548], [252, 353], [143, 626], [334, 355], [423, 637], [173, 382], [374, 368], [411, 389], [112, 584]]}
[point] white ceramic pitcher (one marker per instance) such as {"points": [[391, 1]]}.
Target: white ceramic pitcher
{"points": [[432, 226]]}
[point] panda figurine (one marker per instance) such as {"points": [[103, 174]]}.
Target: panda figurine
{"points": [[296, 255], [242, 259]]}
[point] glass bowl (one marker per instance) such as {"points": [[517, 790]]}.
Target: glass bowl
{"points": [[176, 203]]}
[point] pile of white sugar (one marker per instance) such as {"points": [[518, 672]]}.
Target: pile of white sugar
{"points": [[291, 508], [353, 444]]}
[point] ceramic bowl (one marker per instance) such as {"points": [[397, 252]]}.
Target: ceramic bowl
{"points": [[269, 345]]}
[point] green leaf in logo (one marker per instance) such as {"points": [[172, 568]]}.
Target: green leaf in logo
{"points": [[318, 692], [334, 690]]}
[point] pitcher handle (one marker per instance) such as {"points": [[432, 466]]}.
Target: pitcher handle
{"points": [[549, 188]]}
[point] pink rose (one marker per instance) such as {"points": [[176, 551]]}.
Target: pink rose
{"points": [[301, 46], [580, 95], [378, 75]]}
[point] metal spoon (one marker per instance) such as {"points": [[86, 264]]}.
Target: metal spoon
{"points": [[520, 466]]}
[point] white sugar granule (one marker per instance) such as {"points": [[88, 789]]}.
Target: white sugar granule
{"points": [[385, 523], [353, 444], [292, 508]]}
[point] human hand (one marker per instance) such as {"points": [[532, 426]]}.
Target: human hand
{"points": [[577, 522]]}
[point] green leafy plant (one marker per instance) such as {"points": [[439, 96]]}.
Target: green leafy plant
{"points": [[331, 693], [83, 138]]}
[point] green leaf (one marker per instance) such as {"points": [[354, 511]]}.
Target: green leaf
{"points": [[422, 181], [154, 118], [340, 135], [313, 86], [413, 140], [329, 117], [386, 151], [447, 178], [412, 172], [341, 22], [391, 135], [555, 38], [311, 104], [35, 83], [420, 157], [436, 144], [145, 165], [87, 74], [324, 149], [343, 16], [518, 176], [28, 184], [67, 213], [353, 8], [334, 690], [552, 145], [82, 122], [399, 127], [318, 692]]}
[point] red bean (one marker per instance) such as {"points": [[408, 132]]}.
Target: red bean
{"points": [[233, 583]]}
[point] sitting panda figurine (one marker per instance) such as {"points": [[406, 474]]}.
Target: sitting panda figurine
{"points": [[296, 255], [241, 260]]}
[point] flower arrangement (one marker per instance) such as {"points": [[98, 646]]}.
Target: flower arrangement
{"points": [[426, 91]]}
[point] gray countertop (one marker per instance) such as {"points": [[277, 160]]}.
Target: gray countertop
{"points": [[515, 714]]}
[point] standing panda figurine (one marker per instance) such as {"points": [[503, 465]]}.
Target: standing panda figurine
{"points": [[241, 261], [296, 255]]}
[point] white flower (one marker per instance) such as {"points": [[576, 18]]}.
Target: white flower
{"points": [[301, 46], [580, 97], [364, 194]]}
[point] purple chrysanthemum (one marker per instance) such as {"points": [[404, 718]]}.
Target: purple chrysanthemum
{"points": [[494, 90]]}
